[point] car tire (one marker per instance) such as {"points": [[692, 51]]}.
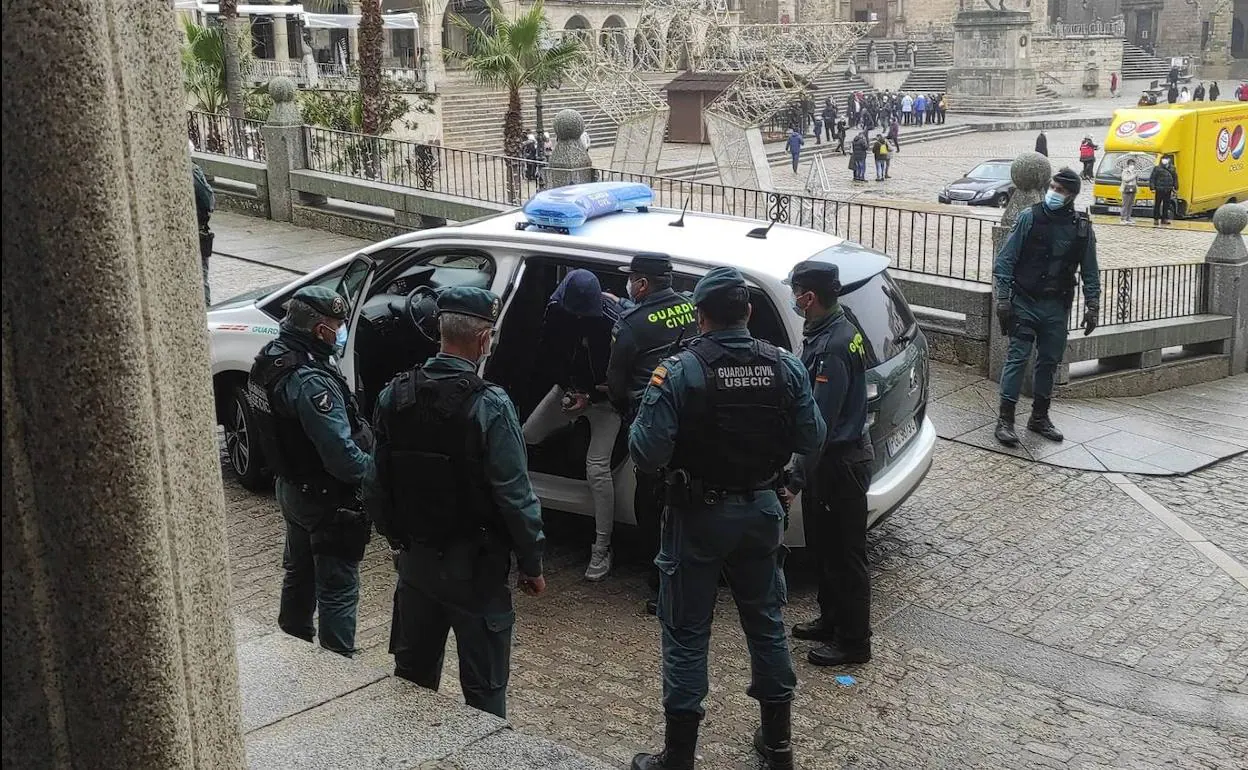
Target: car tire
{"points": [[244, 455], [1001, 200]]}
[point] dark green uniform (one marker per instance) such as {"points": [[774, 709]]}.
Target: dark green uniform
{"points": [[315, 442], [452, 491]]}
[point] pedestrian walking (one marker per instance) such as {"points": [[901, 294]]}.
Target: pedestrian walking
{"points": [[1036, 273], [1214, 91], [794, 145], [1042, 143], [574, 346], [1199, 94], [841, 131], [817, 122], [879, 149], [1113, 84], [829, 117], [1087, 156], [894, 133], [724, 440], [1184, 95], [1163, 181], [654, 320], [316, 443], [205, 204], [834, 480], [942, 106], [858, 157], [1172, 94], [452, 495], [1128, 189]]}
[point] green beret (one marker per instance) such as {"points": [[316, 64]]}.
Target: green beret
{"points": [[469, 300], [325, 301], [717, 280]]}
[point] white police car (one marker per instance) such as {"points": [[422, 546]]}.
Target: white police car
{"points": [[386, 283]]}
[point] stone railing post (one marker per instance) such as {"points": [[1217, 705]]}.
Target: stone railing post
{"points": [[569, 162], [118, 644], [1030, 173], [1228, 279], [284, 146]]}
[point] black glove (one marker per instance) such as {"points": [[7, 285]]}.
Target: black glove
{"points": [[1089, 319], [1005, 315]]}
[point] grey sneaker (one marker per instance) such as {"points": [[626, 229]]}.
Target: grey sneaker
{"points": [[599, 563]]}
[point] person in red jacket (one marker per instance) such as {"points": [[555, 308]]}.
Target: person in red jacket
{"points": [[1087, 156]]}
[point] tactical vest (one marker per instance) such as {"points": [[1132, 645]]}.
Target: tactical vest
{"points": [[1042, 272], [288, 451], [655, 326], [432, 467], [739, 435]]}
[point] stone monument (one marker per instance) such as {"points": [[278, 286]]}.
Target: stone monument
{"points": [[569, 162], [1228, 278], [993, 74]]}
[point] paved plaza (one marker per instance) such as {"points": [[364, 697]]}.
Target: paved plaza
{"points": [[1026, 615]]}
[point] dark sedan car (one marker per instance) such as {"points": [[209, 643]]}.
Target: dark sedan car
{"points": [[988, 184]]}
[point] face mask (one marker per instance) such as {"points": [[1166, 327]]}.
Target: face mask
{"points": [[797, 308], [1054, 200], [632, 294], [340, 340]]}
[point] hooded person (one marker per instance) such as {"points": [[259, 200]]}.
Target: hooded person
{"points": [[1049, 250], [573, 350]]}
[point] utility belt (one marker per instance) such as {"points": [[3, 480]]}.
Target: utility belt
{"points": [[684, 491]]}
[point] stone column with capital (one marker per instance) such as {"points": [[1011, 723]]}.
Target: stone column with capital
{"points": [[118, 640], [1228, 279], [353, 35]]}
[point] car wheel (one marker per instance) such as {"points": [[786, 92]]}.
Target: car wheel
{"points": [[240, 446], [1001, 200]]}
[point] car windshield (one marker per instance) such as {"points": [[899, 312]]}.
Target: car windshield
{"points": [[880, 312], [993, 171], [1112, 164]]}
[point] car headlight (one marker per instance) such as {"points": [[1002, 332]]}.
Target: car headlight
{"points": [[1100, 200]]}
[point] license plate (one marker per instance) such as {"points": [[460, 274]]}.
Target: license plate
{"points": [[896, 442], [1114, 209], [959, 203]]}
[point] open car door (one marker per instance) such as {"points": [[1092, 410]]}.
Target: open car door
{"points": [[353, 287]]}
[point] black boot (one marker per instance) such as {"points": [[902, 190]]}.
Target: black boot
{"points": [[773, 740], [1005, 424], [681, 742], [813, 630], [1040, 422], [840, 654]]}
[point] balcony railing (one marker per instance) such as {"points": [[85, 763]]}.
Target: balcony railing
{"points": [[1152, 293], [333, 76], [1099, 28], [224, 135]]}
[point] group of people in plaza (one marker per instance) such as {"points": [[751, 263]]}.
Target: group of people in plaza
{"points": [[441, 472]]}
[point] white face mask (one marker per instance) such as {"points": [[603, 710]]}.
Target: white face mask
{"points": [[632, 294]]}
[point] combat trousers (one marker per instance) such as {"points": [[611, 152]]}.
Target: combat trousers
{"points": [[834, 518], [742, 540], [604, 429], [463, 589], [315, 583], [1038, 322]]}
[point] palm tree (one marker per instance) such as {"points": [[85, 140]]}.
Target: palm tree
{"points": [[370, 65], [514, 54], [203, 66], [233, 67]]}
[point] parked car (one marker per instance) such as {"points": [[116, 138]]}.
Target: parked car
{"points": [[988, 184], [387, 282]]}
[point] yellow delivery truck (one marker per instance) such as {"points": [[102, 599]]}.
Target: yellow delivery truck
{"points": [[1206, 140]]}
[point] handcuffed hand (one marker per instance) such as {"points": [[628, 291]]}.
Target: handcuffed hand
{"points": [[533, 585]]}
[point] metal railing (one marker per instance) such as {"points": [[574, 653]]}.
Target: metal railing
{"points": [[463, 173], [1152, 293], [330, 76], [224, 135]]}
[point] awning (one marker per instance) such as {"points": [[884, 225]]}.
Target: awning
{"points": [[256, 10], [352, 20]]}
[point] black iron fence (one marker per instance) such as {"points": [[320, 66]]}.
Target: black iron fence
{"points": [[463, 173], [1153, 293], [224, 135]]}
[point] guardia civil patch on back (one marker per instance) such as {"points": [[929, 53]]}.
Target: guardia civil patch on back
{"points": [[323, 402]]}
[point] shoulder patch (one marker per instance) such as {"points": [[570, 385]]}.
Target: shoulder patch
{"points": [[323, 402], [660, 374]]}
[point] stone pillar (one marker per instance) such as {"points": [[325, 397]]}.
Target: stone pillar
{"points": [[281, 46], [353, 34], [1228, 278], [569, 161], [1030, 173], [118, 643], [285, 149], [992, 73]]}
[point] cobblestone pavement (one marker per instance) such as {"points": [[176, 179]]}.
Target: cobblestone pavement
{"points": [[1200, 497], [991, 547]]}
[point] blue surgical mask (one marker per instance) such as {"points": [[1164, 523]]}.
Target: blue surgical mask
{"points": [[1053, 200], [797, 308], [340, 340]]}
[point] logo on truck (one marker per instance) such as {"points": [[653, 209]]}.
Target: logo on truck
{"points": [[1148, 129], [1230, 143], [1126, 128], [1237, 142]]}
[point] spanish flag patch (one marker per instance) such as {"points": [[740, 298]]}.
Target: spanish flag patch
{"points": [[821, 378], [660, 374]]}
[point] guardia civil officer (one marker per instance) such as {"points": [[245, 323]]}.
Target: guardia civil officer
{"points": [[834, 480], [721, 420], [452, 494], [316, 444], [1036, 275], [654, 319]]}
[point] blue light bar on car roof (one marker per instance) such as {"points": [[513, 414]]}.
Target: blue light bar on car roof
{"points": [[565, 208]]}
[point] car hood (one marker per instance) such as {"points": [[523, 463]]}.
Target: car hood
{"points": [[978, 185]]}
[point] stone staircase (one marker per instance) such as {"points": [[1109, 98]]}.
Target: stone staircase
{"points": [[928, 81], [1138, 64]]}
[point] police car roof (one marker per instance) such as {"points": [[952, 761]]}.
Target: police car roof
{"points": [[706, 240]]}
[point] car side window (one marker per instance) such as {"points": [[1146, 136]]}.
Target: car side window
{"points": [[455, 267]]}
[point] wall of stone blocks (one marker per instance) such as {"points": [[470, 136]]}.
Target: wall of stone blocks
{"points": [[919, 13], [1178, 30], [1065, 59]]}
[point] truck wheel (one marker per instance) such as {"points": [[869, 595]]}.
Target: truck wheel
{"points": [[240, 445]]}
